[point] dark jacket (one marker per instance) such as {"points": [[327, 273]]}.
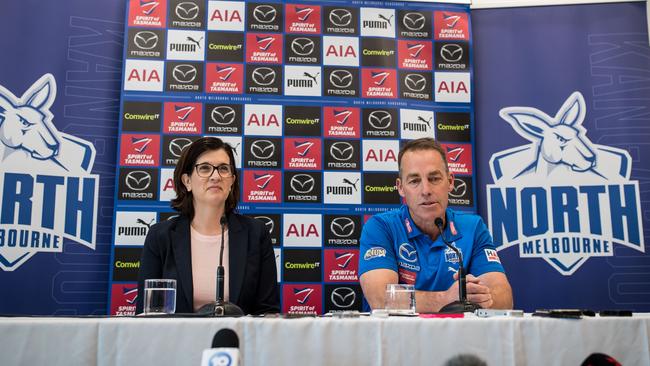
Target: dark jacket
{"points": [[252, 277]]}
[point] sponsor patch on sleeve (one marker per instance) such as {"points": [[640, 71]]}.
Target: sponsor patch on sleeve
{"points": [[374, 252], [492, 256]]}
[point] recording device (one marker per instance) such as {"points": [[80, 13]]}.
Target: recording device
{"points": [[224, 351], [462, 305], [488, 313], [221, 308]]}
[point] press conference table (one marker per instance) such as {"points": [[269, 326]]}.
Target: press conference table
{"points": [[324, 341]]}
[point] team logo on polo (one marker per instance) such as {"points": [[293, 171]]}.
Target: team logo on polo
{"points": [[302, 80], [48, 191], [407, 257], [132, 227], [380, 122], [143, 75], [264, 48], [225, 47], [145, 43], [342, 187], [263, 120], [173, 147], [459, 158], [184, 76], [224, 78], [264, 17], [415, 85], [452, 87], [183, 118], [262, 152], [342, 122], [302, 299], [272, 224], [342, 154], [138, 184], [302, 187], [341, 265], [378, 52], [342, 230], [302, 50], [461, 193], [262, 186], [453, 126], [126, 263], [302, 230], [226, 15], [341, 20], [413, 24], [302, 19], [302, 121], [187, 13], [341, 81], [341, 51], [185, 45], [342, 298], [450, 26], [264, 80], [223, 119], [380, 188], [139, 150], [147, 13], [452, 56], [141, 116], [380, 155], [379, 83], [377, 22], [414, 55], [415, 124], [302, 154], [562, 197]]}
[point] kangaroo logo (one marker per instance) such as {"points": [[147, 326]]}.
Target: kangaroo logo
{"points": [[44, 173], [562, 197]]}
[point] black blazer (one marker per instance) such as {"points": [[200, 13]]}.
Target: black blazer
{"points": [[252, 278]]}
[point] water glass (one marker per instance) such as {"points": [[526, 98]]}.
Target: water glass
{"points": [[159, 296], [400, 299]]}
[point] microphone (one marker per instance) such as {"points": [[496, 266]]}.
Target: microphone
{"points": [[220, 307], [224, 351], [462, 305]]}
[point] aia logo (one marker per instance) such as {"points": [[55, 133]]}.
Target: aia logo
{"points": [[380, 155], [302, 230], [452, 87], [450, 25], [226, 15], [263, 120], [459, 158], [341, 51], [303, 19], [143, 75]]}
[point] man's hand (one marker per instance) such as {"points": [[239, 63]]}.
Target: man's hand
{"points": [[477, 291]]}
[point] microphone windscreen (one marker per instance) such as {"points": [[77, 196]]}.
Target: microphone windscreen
{"points": [[438, 222], [223, 220], [600, 359], [225, 338]]}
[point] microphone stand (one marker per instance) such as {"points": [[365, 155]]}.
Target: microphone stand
{"points": [[220, 307], [462, 305]]}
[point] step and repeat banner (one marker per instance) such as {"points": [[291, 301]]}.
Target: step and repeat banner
{"points": [[563, 131], [315, 97]]}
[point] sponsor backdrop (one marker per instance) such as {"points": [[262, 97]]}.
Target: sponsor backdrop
{"points": [[563, 151], [315, 97]]}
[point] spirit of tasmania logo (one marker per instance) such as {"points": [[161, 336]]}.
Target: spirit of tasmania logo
{"points": [[562, 197], [48, 192]]}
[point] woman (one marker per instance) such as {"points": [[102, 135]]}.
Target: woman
{"points": [[186, 248]]}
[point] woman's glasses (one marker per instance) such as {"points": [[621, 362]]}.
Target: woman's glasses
{"points": [[205, 170]]}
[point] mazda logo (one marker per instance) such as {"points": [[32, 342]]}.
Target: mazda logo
{"points": [[302, 46], [264, 13], [302, 183], [268, 222], [262, 149], [340, 17], [138, 180], [145, 40], [177, 145], [413, 21], [343, 297], [223, 115], [408, 253], [380, 119], [415, 82], [459, 189], [451, 52], [341, 151], [341, 78], [342, 227], [264, 76], [184, 73], [187, 11]]}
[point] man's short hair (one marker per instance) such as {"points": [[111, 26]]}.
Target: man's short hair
{"points": [[425, 143]]}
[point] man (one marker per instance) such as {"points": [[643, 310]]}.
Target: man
{"points": [[404, 245]]}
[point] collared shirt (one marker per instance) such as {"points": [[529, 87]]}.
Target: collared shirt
{"points": [[391, 240]]}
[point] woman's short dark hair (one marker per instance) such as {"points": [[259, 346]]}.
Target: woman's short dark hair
{"points": [[183, 201]]}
